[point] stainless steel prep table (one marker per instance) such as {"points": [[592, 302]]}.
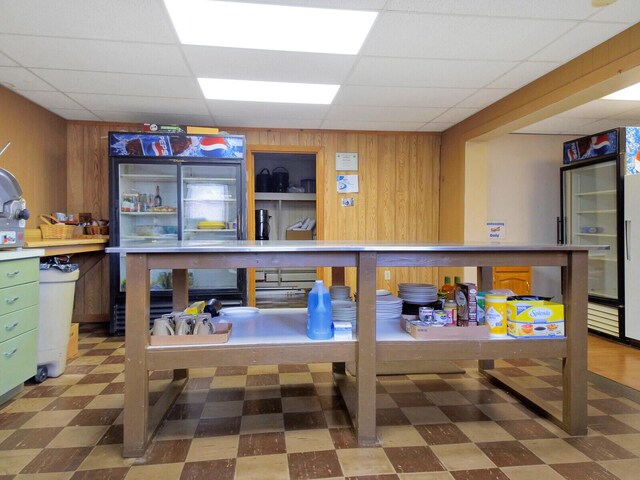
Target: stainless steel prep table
{"points": [[140, 421]]}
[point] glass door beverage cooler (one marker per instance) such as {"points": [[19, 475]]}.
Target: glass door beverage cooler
{"points": [[176, 187], [592, 213]]}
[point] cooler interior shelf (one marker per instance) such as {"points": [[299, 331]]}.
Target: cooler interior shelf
{"points": [[299, 197], [596, 192], [136, 177]]}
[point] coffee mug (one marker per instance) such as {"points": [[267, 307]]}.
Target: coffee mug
{"points": [[161, 326], [183, 325], [203, 327]]}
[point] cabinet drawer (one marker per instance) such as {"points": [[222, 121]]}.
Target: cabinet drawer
{"points": [[16, 323], [18, 360], [17, 272], [19, 297]]}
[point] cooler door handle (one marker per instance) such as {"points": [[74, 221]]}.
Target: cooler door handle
{"points": [[627, 245], [13, 274], [9, 301], [558, 231], [12, 326]]}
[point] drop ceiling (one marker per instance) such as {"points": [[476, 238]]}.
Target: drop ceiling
{"points": [[425, 65]]}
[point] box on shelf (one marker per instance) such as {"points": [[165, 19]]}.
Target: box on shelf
{"points": [[221, 335], [465, 296], [72, 347], [535, 319], [299, 235], [411, 325]]}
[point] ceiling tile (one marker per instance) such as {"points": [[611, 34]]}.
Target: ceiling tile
{"points": [[405, 114], [559, 125], [247, 64], [403, 72], [6, 61], [580, 39], [242, 121], [400, 96], [456, 115], [122, 83], [600, 126], [140, 20], [566, 9], [73, 114], [161, 118], [224, 108], [484, 97], [108, 103], [94, 55], [339, 4], [625, 11], [371, 125], [436, 126], [17, 78], [51, 100], [630, 116], [600, 109], [524, 73], [445, 36]]}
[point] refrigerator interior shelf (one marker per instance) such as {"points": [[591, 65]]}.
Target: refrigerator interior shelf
{"points": [[148, 178], [602, 293], [138, 214], [300, 197], [207, 180], [595, 211], [597, 192], [209, 200], [209, 230], [595, 235], [150, 237], [603, 259]]}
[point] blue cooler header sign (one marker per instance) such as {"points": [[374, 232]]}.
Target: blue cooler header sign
{"points": [[594, 146], [176, 145]]}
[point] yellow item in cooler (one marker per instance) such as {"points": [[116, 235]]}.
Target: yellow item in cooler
{"points": [[195, 308], [211, 225]]}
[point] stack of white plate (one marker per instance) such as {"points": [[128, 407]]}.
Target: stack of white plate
{"points": [[340, 292], [418, 293], [343, 310], [388, 307]]}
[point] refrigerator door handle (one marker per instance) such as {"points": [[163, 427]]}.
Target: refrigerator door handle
{"points": [[627, 244], [559, 231]]}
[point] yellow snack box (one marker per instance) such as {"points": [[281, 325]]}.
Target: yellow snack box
{"points": [[535, 319], [195, 308]]}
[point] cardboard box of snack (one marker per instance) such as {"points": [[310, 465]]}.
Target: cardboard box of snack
{"points": [[414, 327], [535, 319], [299, 235]]}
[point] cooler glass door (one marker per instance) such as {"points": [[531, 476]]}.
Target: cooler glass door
{"points": [[148, 211], [211, 197], [591, 213]]}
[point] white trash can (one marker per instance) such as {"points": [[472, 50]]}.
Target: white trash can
{"points": [[57, 290]]}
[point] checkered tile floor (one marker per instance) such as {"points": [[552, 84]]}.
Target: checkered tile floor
{"points": [[287, 421]]}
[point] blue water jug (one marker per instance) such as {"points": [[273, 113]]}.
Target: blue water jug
{"points": [[320, 321]]}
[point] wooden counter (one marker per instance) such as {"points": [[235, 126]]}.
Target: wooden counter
{"points": [[68, 246], [140, 420]]}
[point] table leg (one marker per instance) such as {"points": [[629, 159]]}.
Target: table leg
{"points": [[574, 366], [180, 284], [485, 282], [365, 424], [136, 377]]}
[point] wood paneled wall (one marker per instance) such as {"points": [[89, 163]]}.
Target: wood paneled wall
{"points": [[398, 185], [37, 155]]}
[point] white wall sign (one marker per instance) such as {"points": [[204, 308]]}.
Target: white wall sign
{"points": [[347, 183], [496, 230], [346, 161]]}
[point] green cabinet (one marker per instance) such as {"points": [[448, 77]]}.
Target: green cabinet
{"points": [[19, 316]]}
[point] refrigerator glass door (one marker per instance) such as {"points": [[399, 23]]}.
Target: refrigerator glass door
{"points": [[148, 210], [591, 213], [632, 255], [210, 211]]}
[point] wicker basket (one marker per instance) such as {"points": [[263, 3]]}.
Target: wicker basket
{"points": [[97, 229], [52, 229]]}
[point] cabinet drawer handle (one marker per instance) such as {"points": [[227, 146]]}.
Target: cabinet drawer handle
{"points": [[12, 326], [12, 300], [13, 274], [11, 353]]}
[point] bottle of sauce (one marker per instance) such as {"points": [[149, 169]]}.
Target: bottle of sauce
{"points": [[157, 200], [448, 288]]}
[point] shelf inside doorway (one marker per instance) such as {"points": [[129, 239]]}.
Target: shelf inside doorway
{"points": [[299, 197]]}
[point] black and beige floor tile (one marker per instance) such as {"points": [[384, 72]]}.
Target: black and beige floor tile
{"points": [[290, 422]]}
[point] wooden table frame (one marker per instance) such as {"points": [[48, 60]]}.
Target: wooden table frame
{"points": [[141, 421]]}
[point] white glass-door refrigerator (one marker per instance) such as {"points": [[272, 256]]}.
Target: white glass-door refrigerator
{"points": [[592, 213], [176, 187]]}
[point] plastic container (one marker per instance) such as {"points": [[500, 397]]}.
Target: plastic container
{"points": [[57, 289], [451, 312], [495, 315], [319, 320]]}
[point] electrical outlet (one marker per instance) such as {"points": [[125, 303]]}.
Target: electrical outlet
{"points": [[387, 274]]}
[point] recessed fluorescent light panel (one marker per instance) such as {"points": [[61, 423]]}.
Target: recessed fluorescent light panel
{"points": [[629, 93], [276, 92], [269, 27]]}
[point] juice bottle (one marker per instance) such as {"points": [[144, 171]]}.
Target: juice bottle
{"points": [[448, 288]]}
